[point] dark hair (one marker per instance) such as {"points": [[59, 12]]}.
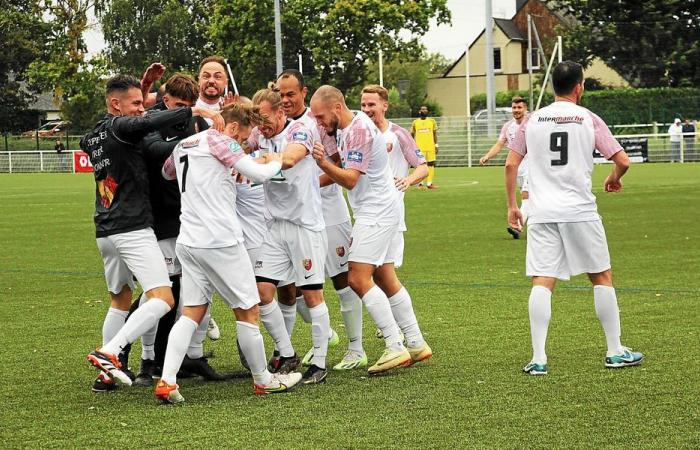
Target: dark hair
{"points": [[518, 99], [217, 59], [122, 83], [287, 73], [566, 75], [182, 86]]}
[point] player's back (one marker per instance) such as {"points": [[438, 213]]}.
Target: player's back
{"points": [[560, 140], [208, 192]]}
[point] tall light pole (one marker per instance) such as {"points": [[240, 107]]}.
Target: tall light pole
{"points": [[490, 94], [278, 37]]}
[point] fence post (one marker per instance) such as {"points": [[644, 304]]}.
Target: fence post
{"points": [[41, 161], [7, 147], [9, 160], [72, 154], [682, 148]]}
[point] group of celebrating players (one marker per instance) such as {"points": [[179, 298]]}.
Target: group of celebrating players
{"points": [[257, 211]]}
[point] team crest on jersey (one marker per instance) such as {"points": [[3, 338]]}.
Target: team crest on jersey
{"points": [[299, 136], [340, 251], [307, 264], [258, 264], [389, 147], [355, 157], [189, 144], [234, 147], [419, 154]]}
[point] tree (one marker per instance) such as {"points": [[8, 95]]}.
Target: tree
{"points": [[173, 32], [334, 37], [22, 31], [648, 42]]}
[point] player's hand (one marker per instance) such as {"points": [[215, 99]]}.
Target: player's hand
{"points": [[401, 183], [515, 219], [613, 184], [218, 121], [319, 153], [230, 98], [154, 73], [272, 156], [483, 160]]}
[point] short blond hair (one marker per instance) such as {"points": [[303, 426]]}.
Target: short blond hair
{"points": [[243, 113], [376, 89], [270, 94]]}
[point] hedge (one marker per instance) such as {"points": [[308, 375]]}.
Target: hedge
{"points": [[622, 106]]}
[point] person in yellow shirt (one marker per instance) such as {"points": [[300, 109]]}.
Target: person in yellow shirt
{"points": [[424, 131]]}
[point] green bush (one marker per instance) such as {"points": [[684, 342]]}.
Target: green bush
{"points": [[624, 105]]}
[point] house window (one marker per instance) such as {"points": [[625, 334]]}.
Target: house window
{"points": [[535, 58], [497, 59]]}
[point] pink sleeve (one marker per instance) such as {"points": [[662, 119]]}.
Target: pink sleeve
{"points": [[223, 148], [169, 168], [359, 144], [503, 137], [519, 145], [409, 148], [252, 141], [298, 133], [605, 143]]}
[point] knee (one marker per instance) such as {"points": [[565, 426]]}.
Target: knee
{"points": [[359, 284]]}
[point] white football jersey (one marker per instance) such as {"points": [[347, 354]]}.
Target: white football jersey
{"points": [[403, 154], [374, 199], [251, 209], [294, 194], [335, 210], [508, 132], [560, 140], [203, 164]]}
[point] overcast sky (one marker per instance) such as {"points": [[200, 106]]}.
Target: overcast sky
{"points": [[468, 18]]}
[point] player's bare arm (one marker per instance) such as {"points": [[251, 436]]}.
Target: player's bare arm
{"points": [[418, 175], [325, 180], [493, 151], [515, 217], [345, 177], [613, 183], [292, 155]]}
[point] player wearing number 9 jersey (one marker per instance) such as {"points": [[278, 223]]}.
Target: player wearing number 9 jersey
{"points": [[566, 235]]}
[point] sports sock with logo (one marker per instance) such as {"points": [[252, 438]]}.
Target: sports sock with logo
{"points": [[289, 312], [195, 349], [251, 342], [143, 319], [402, 309], [271, 317], [179, 339], [379, 309], [351, 310], [114, 321], [320, 329], [609, 315], [540, 309]]}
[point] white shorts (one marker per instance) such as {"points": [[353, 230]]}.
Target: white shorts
{"points": [[292, 253], [522, 183], [167, 248], [563, 250], [370, 244], [225, 270], [253, 255], [337, 254], [133, 254], [395, 252]]}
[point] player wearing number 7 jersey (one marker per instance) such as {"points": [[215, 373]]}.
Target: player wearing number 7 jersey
{"points": [[565, 232], [210, 245]]}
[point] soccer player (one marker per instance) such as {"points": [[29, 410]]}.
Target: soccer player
{"points": [[210, 245], [566, 235], [123, 219], [424, 131], [375, 202], [293, 90], [519, 109], [295, 244]]}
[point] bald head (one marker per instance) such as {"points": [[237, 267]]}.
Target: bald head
{"points": [[329, 108], [328, 95]]}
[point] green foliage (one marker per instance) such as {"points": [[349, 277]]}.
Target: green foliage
{"points": [[172, 32], [650, 43], [504, 99], [335, 38]]}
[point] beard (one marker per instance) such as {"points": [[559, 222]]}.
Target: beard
{"points": [[210, 96], [334, 127]]}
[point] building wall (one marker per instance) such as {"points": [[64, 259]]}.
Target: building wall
{"points": [[598, 69], [450, 93]]}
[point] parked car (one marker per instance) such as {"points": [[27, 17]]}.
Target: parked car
{"points": [[500, 115], [53, 128]]}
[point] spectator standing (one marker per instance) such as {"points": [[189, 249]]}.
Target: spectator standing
{"points": [[424, 131], [675, 133], [60, 148]]}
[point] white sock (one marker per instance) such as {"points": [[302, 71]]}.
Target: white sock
{"points": [[351, 310], [609, 316], [320, 329], [525, 209], [289, 312], [143, 319], [540, 308], [271, 317], [303, 310], [402, 309], [114, 321], [178, 340], [196, 348], [378, 308], [148, 340], [251, 342]]}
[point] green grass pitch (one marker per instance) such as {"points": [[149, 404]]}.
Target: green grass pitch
{"points": [[466, 278]]}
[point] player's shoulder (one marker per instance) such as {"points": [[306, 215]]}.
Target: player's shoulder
{"points": [[298, 129]]}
